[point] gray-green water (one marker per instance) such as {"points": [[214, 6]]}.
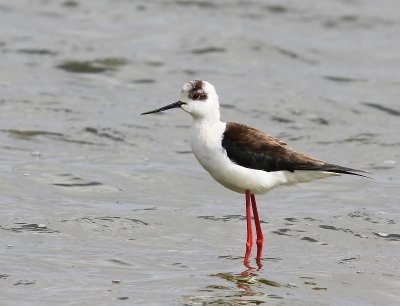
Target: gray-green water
{"points": [[101, 206]]}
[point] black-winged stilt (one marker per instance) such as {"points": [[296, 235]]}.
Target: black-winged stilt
{"points": [[242, 158]]}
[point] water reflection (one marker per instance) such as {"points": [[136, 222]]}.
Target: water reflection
{"points": [[249, 288]]}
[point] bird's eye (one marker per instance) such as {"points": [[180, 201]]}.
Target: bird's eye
{"points": [[196, 96]]}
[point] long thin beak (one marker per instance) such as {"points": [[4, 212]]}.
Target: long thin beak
{"points": [[170, 106]]}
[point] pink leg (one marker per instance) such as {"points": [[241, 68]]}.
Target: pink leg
{"points": [[260, 236], [249, 241]]}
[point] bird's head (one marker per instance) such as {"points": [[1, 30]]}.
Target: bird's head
{"points": [[197, 98]]}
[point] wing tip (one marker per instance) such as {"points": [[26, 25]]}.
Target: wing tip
{"points": [[344, 170]]}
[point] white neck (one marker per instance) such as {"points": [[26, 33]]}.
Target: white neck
{"points": [[210, 117]]}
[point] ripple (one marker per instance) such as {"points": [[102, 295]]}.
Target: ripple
{"points": [[26, 134], [32, 227], [92, 66]]}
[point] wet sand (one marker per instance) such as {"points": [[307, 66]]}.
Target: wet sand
{"points": [[100, 205]]}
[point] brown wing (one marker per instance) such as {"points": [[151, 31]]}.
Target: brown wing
{"points": [[251, 148]]}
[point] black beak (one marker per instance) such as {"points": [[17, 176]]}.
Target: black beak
{"points": [[170, 106]]}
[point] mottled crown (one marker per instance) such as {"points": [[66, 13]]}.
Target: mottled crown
{"points": [[196, 90]]}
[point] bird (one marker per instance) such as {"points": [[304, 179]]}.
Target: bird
{"points": [[244, 159]]}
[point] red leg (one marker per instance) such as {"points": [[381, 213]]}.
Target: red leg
{"points": [[249, 241], [260, 236]]}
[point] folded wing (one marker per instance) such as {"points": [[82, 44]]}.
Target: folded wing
{"points": [[251, 148]]}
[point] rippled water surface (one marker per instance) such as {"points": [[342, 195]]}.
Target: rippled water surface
{"points": [[102, 206]]}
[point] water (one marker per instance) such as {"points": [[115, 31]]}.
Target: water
{"points": [[102, 206]]}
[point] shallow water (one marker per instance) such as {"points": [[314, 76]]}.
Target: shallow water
{"points": [[102, 206]]}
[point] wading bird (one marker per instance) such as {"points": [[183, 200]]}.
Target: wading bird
{"points": [[242, 158]]}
